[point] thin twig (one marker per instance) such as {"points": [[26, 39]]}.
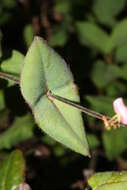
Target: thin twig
{"points": [[9, 77], [64, 100], [79, 107]]}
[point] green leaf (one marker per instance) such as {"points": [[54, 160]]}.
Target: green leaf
{"points": [[59, 37], [93, 141], [45, 70], [21, 129], [105, 10], [58, 149], [2, 100], [12, 171], [63, 9], [108, 181], [123, 71], [121, 53], [119, 35], [0, 44], [5, 17], [117, 89], [14, 64], [48, 140], [102, 73], [63, 6], [115, 142], [101, 104], [93, 36], [9, 3], [28, 34]]}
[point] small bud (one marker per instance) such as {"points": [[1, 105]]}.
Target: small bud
{"points": [[121, 109], [24, 186]]}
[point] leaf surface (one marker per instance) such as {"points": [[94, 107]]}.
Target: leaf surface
{"points": [[119, 35], [105, 10], [45, 70], [108, 181], [28, 34], [121, 53], [92, 35], [21, 130], [101, 104], [102, 74], [12, 171], [115, 142], [13, 64]]}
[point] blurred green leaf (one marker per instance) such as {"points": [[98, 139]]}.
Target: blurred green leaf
{"points": [[63, 6], [48, 140], [92, 35], [14, 64], [6, 7], [93, 141], [116, 89], [0, 44], [9, 3], [12, 171], [115, 142], [101, 104], [119, 35], [28, 34], [5, 16], [123, 72], [59, 37], [109, 181], [121, 53], [105, 10], [43, 65], [21, 130], [2, 100], [59, 150], [102, 73]]}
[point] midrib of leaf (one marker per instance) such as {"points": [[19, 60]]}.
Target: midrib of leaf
{"points": [[42, 93], [41, 60], [68, 124], [62, 86], [39, 99], [58, 88], [47, 88]]}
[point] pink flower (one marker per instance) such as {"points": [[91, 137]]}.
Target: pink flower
{"points": [[121, 110]]}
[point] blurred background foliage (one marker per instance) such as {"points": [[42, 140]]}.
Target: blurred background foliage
{"points": [[92, 37]]}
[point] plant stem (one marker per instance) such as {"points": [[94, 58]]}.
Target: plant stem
{"points": [[9, 77], [79, 107], [64, 100]]}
